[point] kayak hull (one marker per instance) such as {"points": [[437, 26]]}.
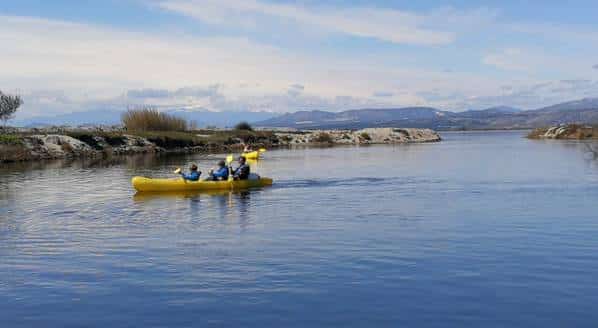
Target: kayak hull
{"points": [[252, 155], [143, 184]]}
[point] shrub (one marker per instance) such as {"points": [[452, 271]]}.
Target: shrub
{"points": [[8, 106], [149, 119], [323, 137], [172, 139], [10, 139], [365, 136], [243, 126]]}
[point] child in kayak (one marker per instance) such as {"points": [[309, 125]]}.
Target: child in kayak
{"points": [[220, 174], [242, 172], [193, 175]]}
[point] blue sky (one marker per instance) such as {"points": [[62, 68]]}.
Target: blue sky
{"points": [[252, 55]]}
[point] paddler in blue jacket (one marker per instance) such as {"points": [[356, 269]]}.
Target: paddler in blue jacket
{"points": [[221, 173], [193, 174]]}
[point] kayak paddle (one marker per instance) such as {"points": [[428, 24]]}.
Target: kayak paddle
{"points": [[229, 159]]}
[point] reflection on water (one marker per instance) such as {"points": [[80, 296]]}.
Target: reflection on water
{"points": [[467, 232]]}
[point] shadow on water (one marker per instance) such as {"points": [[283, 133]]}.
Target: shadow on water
{"points": [[135, 161], [130, 161]]}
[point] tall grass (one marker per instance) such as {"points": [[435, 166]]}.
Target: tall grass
{"points": [[149, 119]]}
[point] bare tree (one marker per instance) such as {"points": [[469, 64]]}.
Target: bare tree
{"points": [[8, 106]]}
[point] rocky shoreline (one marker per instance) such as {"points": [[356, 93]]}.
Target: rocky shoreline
{"points": [[565, 131], [31, 147]]}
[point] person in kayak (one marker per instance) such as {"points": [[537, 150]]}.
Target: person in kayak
{"points": [[247, 148], [193, 174], [221, 173], [242, 171]]}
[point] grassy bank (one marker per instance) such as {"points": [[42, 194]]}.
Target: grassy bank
{"points": [[30, 145], [172, 140]]}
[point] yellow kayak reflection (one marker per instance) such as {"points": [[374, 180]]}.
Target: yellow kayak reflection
{"points": [[145, 196]]}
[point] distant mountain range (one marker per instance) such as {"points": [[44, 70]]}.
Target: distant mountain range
{"points": [[203, 118], [580, 111]]}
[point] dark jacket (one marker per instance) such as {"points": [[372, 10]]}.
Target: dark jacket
{"points": [[242, 172]]}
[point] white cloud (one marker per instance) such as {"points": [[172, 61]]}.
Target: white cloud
{"points": [[382, 94], [572, 34], [98, 64], [511, 59], [63, 67], [538, 61], [384, 24]]}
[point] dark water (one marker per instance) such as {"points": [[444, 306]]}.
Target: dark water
{"points": [[481, 230]]}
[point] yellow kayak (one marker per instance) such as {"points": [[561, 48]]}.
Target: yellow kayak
{"points": [[157, 185], [252, 155]]}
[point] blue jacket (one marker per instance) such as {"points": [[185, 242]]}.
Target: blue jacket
{"points": [[192, 176], [220, 174]]}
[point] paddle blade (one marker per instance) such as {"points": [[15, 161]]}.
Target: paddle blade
{"points": [[177, 171], [262, 150], [229, 159]]}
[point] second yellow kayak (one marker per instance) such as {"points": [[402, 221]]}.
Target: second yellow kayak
{"points": [[252, 155]]}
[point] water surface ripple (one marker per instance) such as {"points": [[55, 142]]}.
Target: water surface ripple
{"points": [[481, 230]]}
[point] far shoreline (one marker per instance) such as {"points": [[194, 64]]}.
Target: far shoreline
{"points": [[50, 144]]}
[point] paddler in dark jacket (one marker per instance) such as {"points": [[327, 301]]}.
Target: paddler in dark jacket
{"points": [[242, 172]]}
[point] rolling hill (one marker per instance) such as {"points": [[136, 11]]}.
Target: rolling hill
{"points": [[580, 111]]}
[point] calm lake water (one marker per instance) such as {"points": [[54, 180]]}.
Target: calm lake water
{"points": [[482, 230]]}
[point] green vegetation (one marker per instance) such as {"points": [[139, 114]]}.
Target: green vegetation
{"points": [[12, 148], [10, 139], [8, 106], [172, 139], [177, 139], [150, 119], [365, 136]]}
